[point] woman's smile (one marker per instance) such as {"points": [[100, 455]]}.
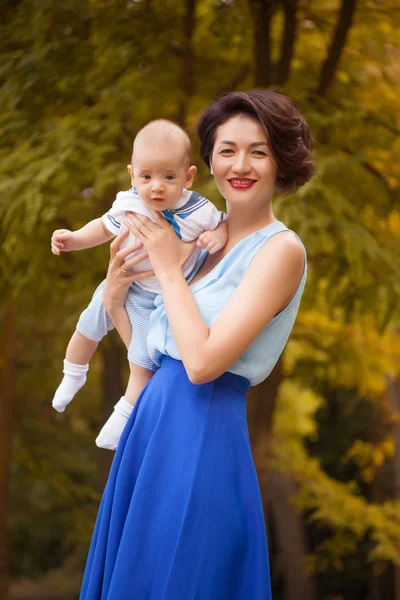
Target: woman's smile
{"points": [[241, 183]]}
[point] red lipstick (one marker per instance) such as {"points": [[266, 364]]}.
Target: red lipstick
{"points": [[241, 183]]}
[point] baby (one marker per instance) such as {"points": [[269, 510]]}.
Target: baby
{"points": [[161, 173]]}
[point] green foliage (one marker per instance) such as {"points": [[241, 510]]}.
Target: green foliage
{"points": [[77, 80]]}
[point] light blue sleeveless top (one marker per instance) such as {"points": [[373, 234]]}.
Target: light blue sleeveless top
{"points": [[213, 292]]}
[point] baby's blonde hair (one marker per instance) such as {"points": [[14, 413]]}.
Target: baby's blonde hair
{"points": [[161, 130]]}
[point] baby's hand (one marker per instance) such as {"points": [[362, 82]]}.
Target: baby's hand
{"points": [[212, 241], [62, 240]]}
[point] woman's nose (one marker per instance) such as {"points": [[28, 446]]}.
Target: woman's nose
{"points": [[241, 164]]}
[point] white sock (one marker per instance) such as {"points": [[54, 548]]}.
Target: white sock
{"points": [[74, 379], [111, 432]]}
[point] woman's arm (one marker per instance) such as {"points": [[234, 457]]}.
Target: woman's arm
{"points": [[267, 287], [119, 278]]}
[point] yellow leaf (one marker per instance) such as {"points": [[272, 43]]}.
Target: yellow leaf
{"points": [[343, 76], [394, 222]]}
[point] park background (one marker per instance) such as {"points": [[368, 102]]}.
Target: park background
{"points": [[78, 78]]}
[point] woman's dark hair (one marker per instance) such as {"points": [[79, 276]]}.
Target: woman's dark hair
{"points": [[286, 129]]}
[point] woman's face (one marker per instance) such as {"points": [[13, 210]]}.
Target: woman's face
{"points": [[241, 161]]}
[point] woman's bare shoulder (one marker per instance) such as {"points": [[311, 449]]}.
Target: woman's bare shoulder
{"points": [[284, 249]]}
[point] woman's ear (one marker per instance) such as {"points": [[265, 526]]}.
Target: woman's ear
{"points": [[211, 169], [190, 175], [130, 171]]}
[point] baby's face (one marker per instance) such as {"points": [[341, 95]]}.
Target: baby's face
{"points": [[159, 173]]}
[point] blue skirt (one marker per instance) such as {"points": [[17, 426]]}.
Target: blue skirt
{"points": [[181, 516]]}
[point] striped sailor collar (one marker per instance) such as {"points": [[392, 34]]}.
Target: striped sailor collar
{"points": [[183, 199]]}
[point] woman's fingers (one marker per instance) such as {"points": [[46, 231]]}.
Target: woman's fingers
{"points": [[158, 217], [131, 277], [143, 275], [122, 254], [141, 223], [132, 262], [116, 243], [136, 227]]}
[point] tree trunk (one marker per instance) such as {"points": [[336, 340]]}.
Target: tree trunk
{"points": [[394, 397], [261, 402], [277, 489], [339, 39], [288, 41], [291, 539], [262, 12], [260, 407], [187, 80], [113, 354], [8, 387]]}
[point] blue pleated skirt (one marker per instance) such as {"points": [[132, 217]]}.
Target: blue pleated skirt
{"points": [[181, 516]]}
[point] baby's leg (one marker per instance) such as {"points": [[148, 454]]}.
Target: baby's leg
{"points": [[76, 364], [111, 432], [93, 325], [139, 304], [138, 379], [80, 349]]}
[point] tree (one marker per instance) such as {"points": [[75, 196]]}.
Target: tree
{"points": [[8, 385], [77, 80]]}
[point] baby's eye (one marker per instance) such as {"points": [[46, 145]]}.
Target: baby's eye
{"points": [[145, 176], [170, 177]]}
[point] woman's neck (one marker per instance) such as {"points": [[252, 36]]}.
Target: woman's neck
{"points": [[242, 223]]}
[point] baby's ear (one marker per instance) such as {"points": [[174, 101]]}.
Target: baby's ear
{"points": [[130, 171], [190, 175]]}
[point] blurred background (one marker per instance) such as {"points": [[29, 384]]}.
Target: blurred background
{"points": [[78, 78]]}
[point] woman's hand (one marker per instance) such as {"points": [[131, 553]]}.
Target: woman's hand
{"points": [[167, 253], [119, 276]]}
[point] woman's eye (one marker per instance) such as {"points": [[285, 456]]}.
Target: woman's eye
{"points": [[226, 151], [259, 153]]}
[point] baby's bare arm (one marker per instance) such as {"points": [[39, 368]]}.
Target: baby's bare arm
{"points": [[92, 234]]}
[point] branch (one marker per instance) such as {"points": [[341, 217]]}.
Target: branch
{"points": [[288, 41], [339, 39], [312, 98], [8, 381], [262, 12], [187, 82], [368, 167]]}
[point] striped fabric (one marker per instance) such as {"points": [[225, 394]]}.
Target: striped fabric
{"points": [[94, 323]]}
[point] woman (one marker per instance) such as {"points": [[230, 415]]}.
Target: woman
{"points": [[181, 516]]}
